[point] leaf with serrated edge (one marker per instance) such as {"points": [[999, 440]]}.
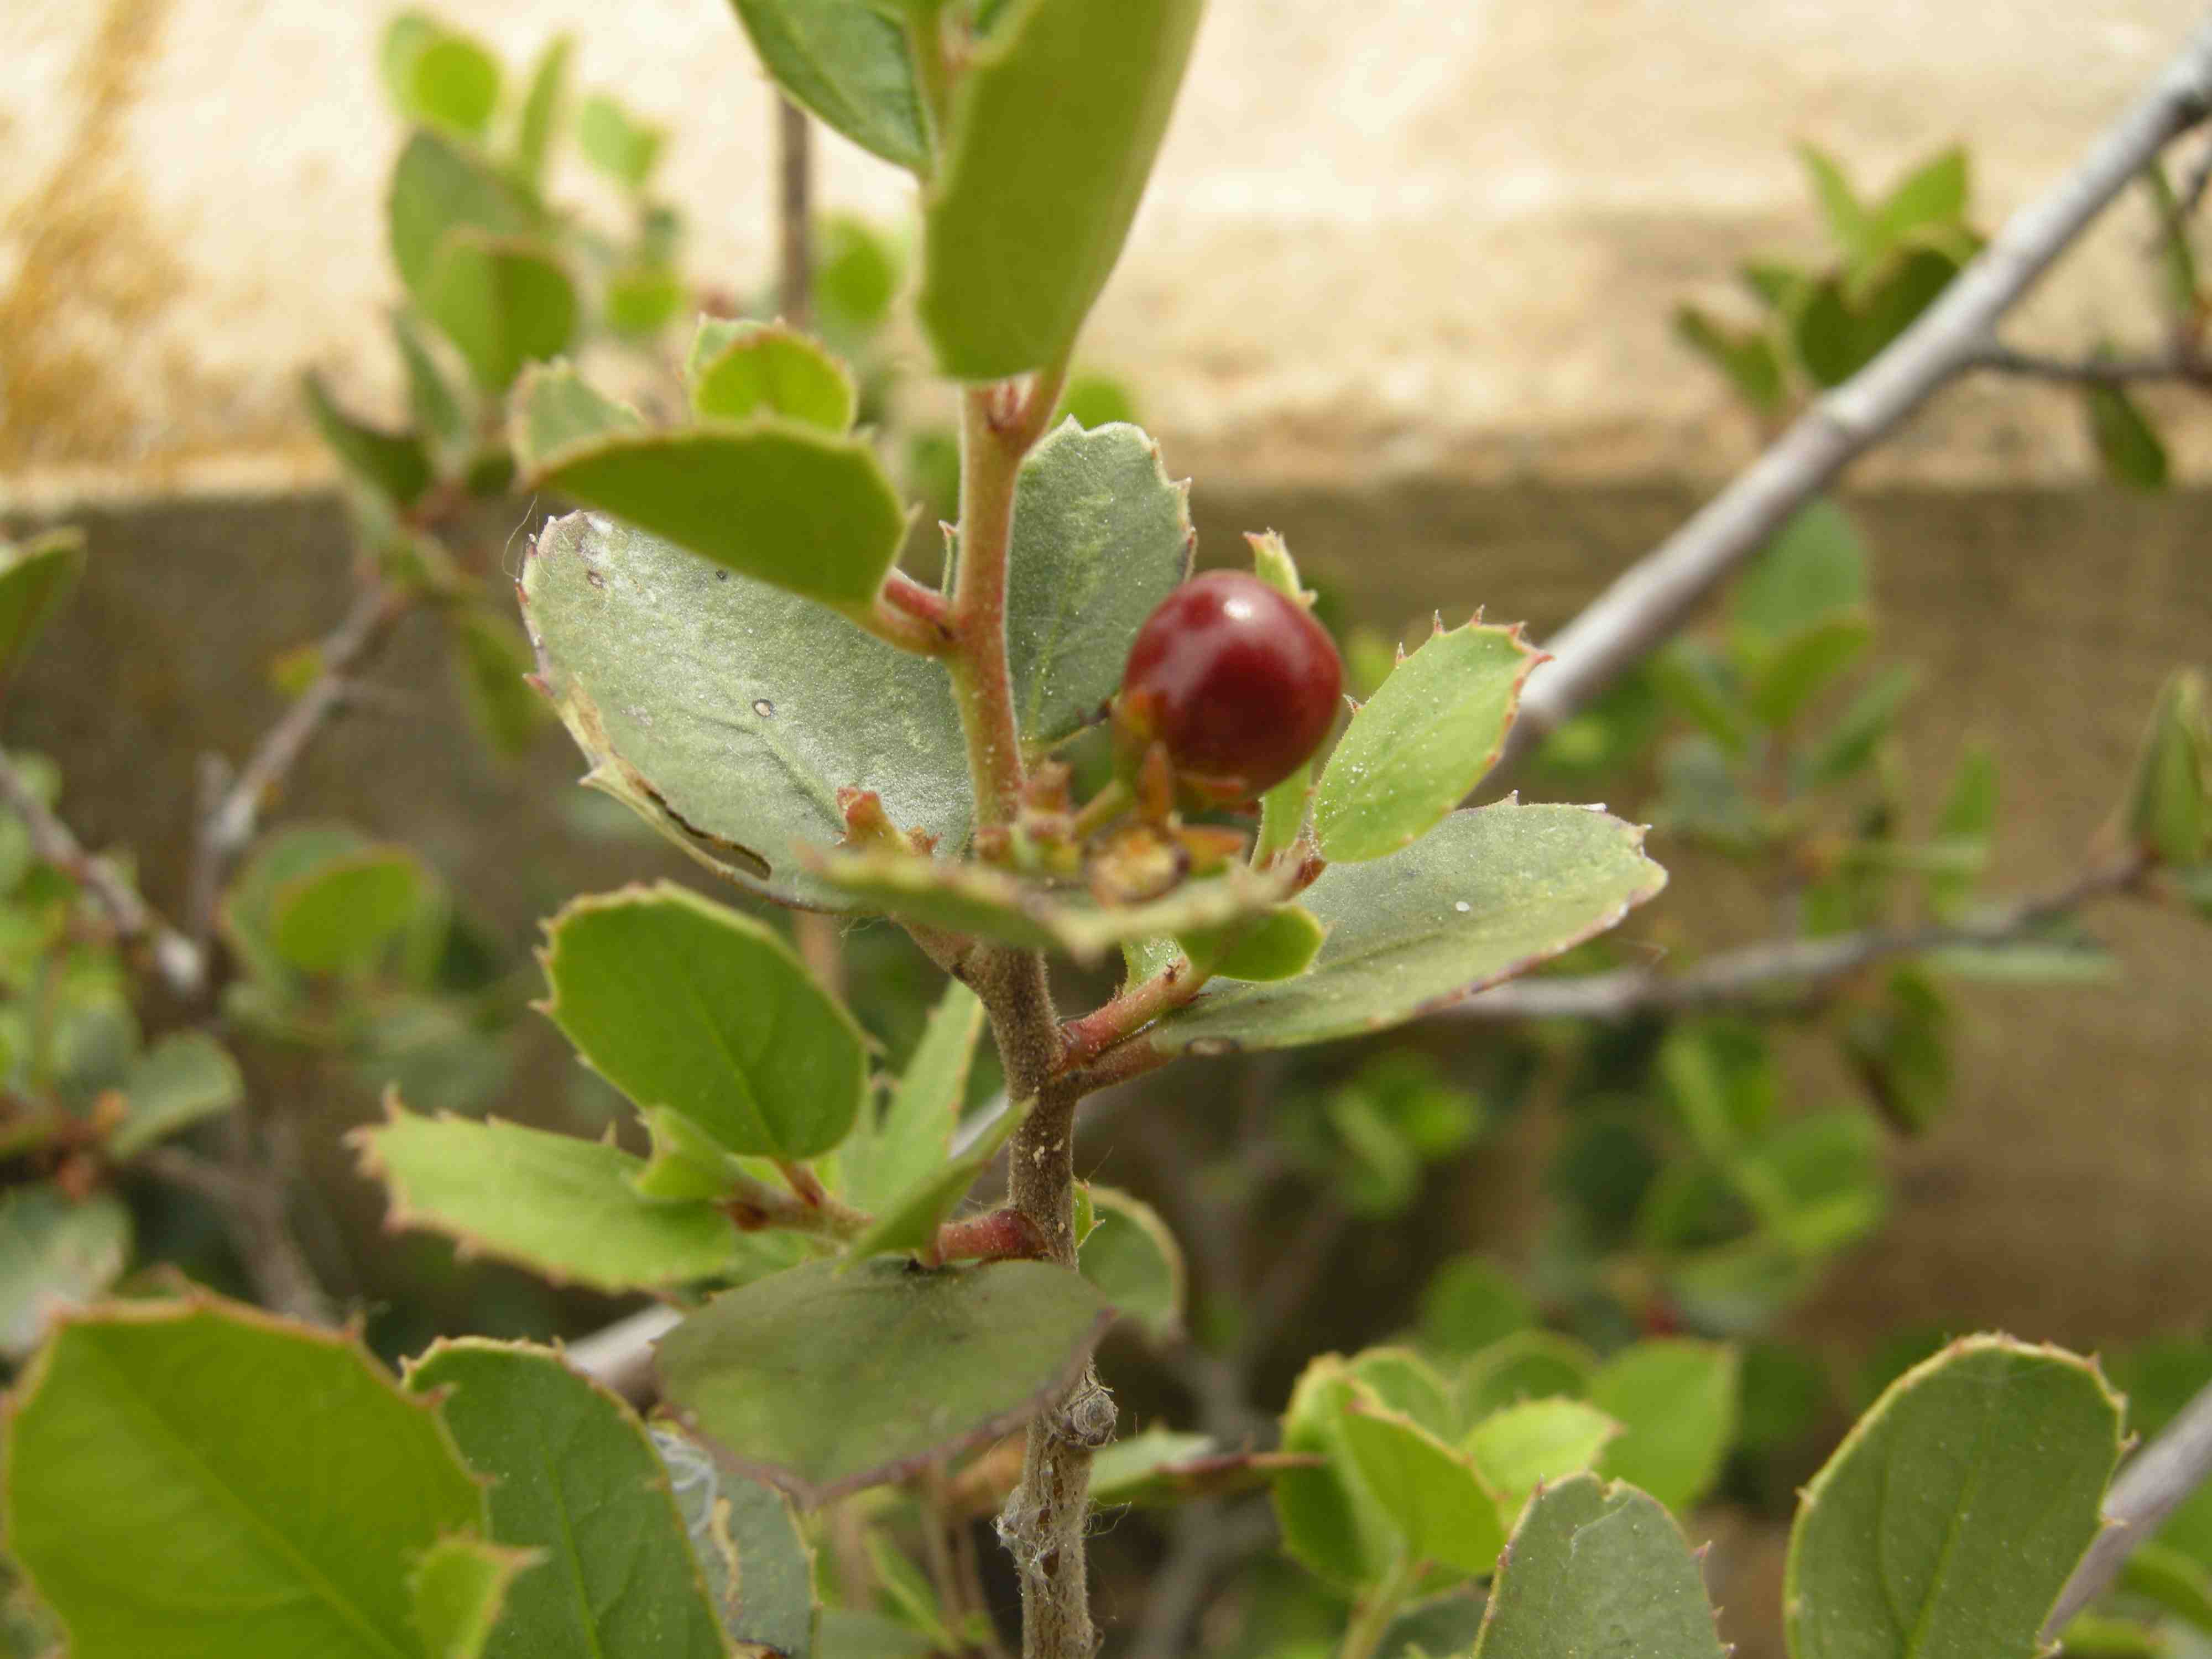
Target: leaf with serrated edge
{"points": [[728, 712], [194, 1477], [848, 63], [1592, 1565], [1534, 880], [36, 577], [504, 301], [1054, 125], [915, 1132], [1527, 1445], [553, 407], [56, 1254], [1332, 1524], [459, 1587], [825, 1383], [1529, 1365], [1431, 732], [1100, 536], [1131, 1255], [679, 1001], [1675, 1400], [1430, 1490], [765, 369], [570, 1472], [561, 1205], [1951, 1517]]}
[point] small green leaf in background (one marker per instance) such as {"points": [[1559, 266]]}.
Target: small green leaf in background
{"points": [[1964, 825], [540, 119], [1430, 1491], [504, 302], [1401, 1381], [1675, 1399], [554, 407], [678, 1001], [686, 1164], [183, 1078], [910, 1592], [1900, 1049], [775, 500], [1933, 194], [1848, 745], [193, 1477], [341, 917], [1849, 224], [856, 276], [1826, 333], [1132, 1258], [459, 1587], [913, 1134], [569, 1472], [2167, 812], [438, 188], [494, 659], [1123, 1468], [56, 1254], [1947, 1522], [1809, 571], [1747, 357], [1281, 944], [439, 423], [766, 368], [2133, 454], [846, 61], [35, 577], [1055, 126], [1331, 1523], [1533, 1445], [1430, 734], [1093, 400], [562, 1206], [827, 1381], [616, 142], [642, 298], [908, 1220], [393, 465], [1470, 1303], [1592, 1567], [438, 75]]}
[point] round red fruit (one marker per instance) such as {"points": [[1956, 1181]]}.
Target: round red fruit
{"points": [[1238, 680]]}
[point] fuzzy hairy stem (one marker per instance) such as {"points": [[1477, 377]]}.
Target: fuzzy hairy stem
{"points": [[990, 469], [1135, 1007]]}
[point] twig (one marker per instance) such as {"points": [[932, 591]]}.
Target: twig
{"points": [[795, 214], [2174, 365], [252, 1206], [2156, 1482], [1650, 601], [181, 963], [1207, 1539], [620, 1355], [1749, 976]]}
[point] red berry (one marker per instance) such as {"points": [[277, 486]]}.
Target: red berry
{"points": [[1236, 679]]}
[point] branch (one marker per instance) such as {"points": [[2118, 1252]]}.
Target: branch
{"points": [[1652, 599], [2156, 1482], [181, 963], [2175, 365], [1738, 977], [795, 214]]}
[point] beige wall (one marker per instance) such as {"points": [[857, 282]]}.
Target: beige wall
{"points": [[1429, 236]]}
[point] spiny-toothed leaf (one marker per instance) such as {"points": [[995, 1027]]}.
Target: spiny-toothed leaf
{"points": [[1100, 536], [35, 577], [2166, 809], [1530, 1364], [504, 301], [494, 663], [1430, 734], [2127, 444], [1947, 1522], [186, 1076], [1282, 809], [909, 1219], [554, 407], [1053, 129], [565, 1207], [616, 142], [1534, 1444], [570, 1472], [1591, 1566], [728, 714], [1486, 895], [1131, 1256], [540, 119], [1280, 945], [393, 465], [459, 1587], [765, 369], [1429, 1489], [827, 1381], [1675, 1399], [439, 187], [915, 1132], [1331, 1523], [773, 499], [678, 1001], [196, 1478], [846, 61], [56, 1254], [1403, 1381]]}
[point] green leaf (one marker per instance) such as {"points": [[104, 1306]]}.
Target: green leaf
{"points": [[909, 1219], [1280, 945], [554, 407], [729, 713], [1054, 124], [2130, 447], [503, 301], [494, 664], [1906, 284], [56, 1254], [616, 142], [539, 120], [1486, 895], [438, 75], [827, 1381], [910, 1592], [643, 297], [846, 61], [2173, 1579], [1900, 1048], [1533, 1445], [439, 419], [1129, 1466], [856, 276], [2176, 257], [35, 577], [1965, 821], [759, 1568], [1430, 734], [848, 1633], [687, 1163], [341, 917], [564, 1207], [1403, 1381], [765, 369], [1531, 1364], [283, 865], [439, 187], [1747, 357], [1470, 1303], [1132, 1258], [1094, 400], [1331, 1523], [1812, 570], [1675, 1399], [1430, 1490], [678, 1001], [570, 1472], [393, 465], [1282, 809], [459, 1586], [2167, 811], [1592, 1567], [1159, 1468], [1933, 193], [186, 1076], [1826, 333], [1100, 538], [1849, 222], [1850, 743], [914, 1134], [192, 1477], [1952, 1514], [774, 499]]}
